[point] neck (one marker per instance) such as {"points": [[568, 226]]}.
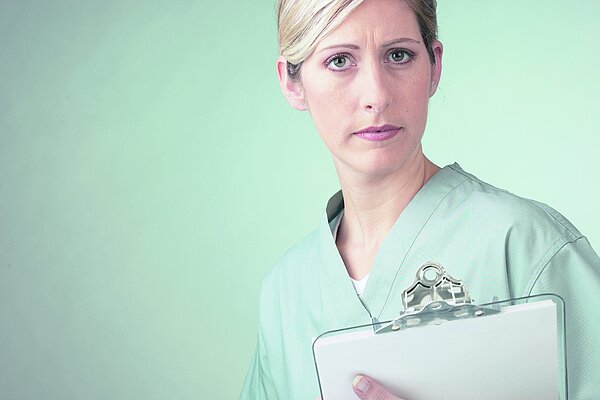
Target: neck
{"points": [[373, 204]]}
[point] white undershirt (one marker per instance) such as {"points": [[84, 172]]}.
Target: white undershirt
{"points": [[359, 285]]}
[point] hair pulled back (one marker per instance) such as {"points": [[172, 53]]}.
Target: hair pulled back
{"points": [[301, 24]]}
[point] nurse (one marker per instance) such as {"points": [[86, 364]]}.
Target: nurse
{"points": [[365, 70]]}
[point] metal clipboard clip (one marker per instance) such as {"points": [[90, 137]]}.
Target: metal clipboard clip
{"points": [[433, 298]]}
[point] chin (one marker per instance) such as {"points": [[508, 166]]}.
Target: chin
{"points": [[379, 166], [379, 161]]}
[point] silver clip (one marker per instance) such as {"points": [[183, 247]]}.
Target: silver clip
{"points": [[433, 298], [433, 283]]}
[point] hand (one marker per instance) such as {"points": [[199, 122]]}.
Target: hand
{"points": [[368, 389]]}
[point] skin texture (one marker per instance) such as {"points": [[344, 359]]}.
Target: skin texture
{"points": [[371, 89], [357, 79]]}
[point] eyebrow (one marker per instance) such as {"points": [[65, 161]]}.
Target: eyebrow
{"points": [[386, 44]]}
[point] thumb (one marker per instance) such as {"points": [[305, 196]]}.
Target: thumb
{"points": [[368, 389]]}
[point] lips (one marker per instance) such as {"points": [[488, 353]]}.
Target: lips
{"points": [[378, 133]]}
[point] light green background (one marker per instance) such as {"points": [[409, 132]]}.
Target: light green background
{"points": [[151, 173]]}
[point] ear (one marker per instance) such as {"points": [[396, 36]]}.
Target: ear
{"points": [[436, 69], [292, 90]]}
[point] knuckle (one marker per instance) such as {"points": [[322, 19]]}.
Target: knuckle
{"points": [[380, 394]]}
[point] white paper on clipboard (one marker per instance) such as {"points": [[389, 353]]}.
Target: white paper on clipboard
{"points": [[509, 355]]}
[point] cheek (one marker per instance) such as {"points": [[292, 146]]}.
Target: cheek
{"points": [[416, 98], [325, 95], [328, 105]]}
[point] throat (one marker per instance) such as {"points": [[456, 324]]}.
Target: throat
{"points": [[358, 262]]}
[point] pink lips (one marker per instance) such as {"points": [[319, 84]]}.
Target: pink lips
{"points": [[378, 133]]}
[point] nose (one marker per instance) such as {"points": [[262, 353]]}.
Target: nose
{"points": [[375, 91]]}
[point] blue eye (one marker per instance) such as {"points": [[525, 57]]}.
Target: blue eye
{"points": [[399, 56], [337, 62]]}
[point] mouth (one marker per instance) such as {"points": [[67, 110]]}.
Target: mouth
{"points": [[378, 133]]}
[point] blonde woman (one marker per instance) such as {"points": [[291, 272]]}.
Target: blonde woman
{"points": [[365, 70]]}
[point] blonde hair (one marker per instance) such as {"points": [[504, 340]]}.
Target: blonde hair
{"points": [[301, 24]]}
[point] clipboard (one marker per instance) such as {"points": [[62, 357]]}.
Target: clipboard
{"points": [[444, 346]]}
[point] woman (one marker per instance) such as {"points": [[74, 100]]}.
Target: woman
{"points": [[365, 71]]}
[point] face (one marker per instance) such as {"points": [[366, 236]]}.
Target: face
{"points": [[367, 87]]}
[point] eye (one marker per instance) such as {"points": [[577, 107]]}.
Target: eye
{"points": [[338, 62], [399, 56]]}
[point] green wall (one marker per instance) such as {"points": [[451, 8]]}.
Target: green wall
{"points": [[151, 173]]}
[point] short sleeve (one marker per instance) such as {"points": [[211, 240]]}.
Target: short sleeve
{"points": [[574, 274], [259, 383]]}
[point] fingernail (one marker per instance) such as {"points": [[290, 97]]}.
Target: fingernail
{"points": [[361, 384]]}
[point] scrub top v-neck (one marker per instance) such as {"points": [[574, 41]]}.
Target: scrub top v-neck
{"points": [[359, 284], [389, 259]]}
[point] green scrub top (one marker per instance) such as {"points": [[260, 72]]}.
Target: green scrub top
{"points": [[499, 244]]}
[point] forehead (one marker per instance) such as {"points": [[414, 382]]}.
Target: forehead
{"points": [[376, 20]]}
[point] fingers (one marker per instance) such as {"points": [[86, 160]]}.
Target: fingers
{"points": [[368, 389]]}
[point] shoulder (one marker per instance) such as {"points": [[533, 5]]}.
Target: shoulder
{"points": [[518, 236], [298, 264], [511, 213]]}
